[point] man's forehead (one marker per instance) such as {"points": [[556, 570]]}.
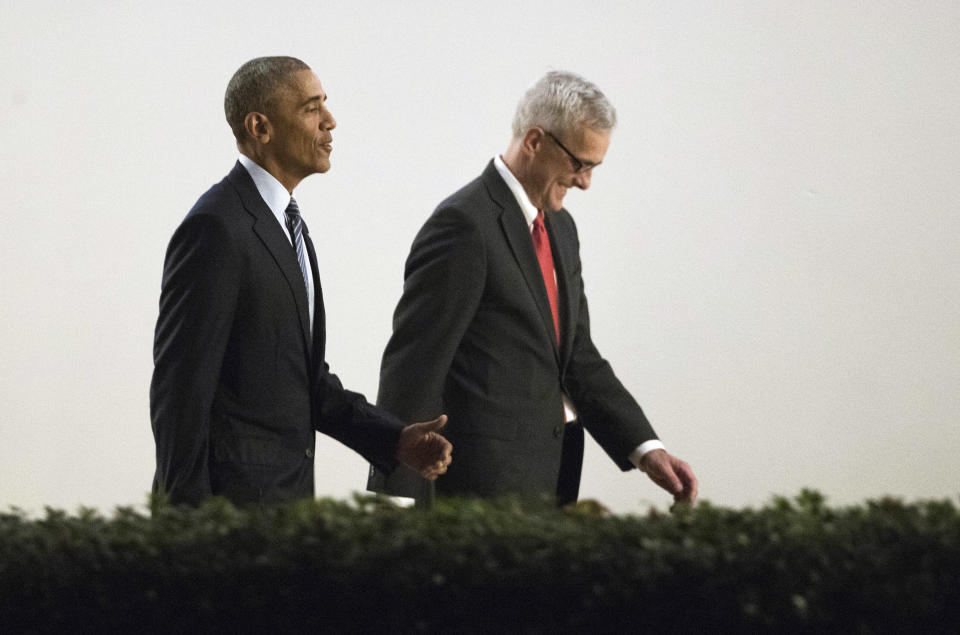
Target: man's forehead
{"points": [[585, 133], [590, 141], [306, 85]]}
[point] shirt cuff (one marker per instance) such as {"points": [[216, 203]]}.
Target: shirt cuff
{"points": [[643, 448]]}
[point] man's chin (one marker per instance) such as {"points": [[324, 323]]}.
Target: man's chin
{"points": [[555, 204]]}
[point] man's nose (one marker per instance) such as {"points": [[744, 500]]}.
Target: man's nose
{"points": [[582, 179]]}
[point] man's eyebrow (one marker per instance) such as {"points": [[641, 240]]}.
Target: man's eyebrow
{"points": [[320, 98]]}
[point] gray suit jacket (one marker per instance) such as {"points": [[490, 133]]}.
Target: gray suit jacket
{"points": [[473, 337]]}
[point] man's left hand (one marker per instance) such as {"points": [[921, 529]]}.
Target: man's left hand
{"points": [[671, 474], [424, 450]]}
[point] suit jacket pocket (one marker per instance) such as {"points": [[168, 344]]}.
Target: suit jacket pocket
{"points": [[484, 424], [253, 450]]}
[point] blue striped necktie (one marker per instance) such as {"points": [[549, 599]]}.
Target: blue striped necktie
{"points": [[295, 224]]}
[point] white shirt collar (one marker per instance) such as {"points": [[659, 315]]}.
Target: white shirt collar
{"points": [[277, 199], [271, 191], [529, 210]]}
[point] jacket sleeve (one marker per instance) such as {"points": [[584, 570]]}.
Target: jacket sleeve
{"points": [[443, 284], [604, 406], [197, 305], [349, 418]]}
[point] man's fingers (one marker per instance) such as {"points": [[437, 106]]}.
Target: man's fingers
{"points": [[682, 480], [433, 471], [435, 468], [447, 452], [666, 478], [689, 482], [444, 463], [673, 484], [438, 446], [432, 426]]}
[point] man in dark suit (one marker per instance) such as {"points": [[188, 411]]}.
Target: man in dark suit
{"points": [[240, 383], [493, 329]]}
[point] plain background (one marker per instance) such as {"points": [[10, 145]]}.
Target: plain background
{"points": [[771, 247]]}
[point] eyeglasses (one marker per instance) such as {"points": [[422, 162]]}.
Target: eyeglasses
{"points": [[579, 165]]}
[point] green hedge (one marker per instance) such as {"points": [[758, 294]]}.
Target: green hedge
{"points": [[471, 566]]}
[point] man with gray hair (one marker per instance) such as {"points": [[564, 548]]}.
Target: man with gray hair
{"points": [[492, 327], [240, 383]]}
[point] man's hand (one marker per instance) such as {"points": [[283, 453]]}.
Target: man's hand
{"points": [[671, 474], [423, 449]]}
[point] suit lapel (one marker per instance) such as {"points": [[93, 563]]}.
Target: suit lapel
{"points": [[515, 228], [274, 238]]}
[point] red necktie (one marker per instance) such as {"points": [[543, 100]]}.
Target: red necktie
{"points": [[541, 243]]}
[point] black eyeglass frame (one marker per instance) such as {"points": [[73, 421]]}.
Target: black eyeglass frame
{"points": [[579, 165]]}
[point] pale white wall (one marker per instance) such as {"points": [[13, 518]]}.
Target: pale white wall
{"points": [[771, 247]]}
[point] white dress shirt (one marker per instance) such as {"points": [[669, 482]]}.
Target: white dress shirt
{"points": [[530, 212], [277, 198]]}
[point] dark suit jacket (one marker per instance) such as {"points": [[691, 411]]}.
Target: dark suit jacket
{"points": [[239, 382], [473, 337]]}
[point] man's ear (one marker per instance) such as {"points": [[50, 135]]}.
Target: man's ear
{"points": [[257, 126], [531, 142]]}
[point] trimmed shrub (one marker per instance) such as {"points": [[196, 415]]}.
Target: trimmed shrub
{"points": [[477, 567]]}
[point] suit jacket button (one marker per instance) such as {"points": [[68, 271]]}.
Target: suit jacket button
{"points": [[309, 453], [558, 431]]}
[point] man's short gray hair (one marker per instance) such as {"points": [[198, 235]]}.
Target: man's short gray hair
{"points": [[253, 87], [559, 102]]}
